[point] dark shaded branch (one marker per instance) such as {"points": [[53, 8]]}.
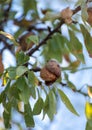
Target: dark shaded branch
{"points": [[37, 69]]}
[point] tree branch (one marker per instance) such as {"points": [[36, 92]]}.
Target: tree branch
{"points": [[43, 42]]}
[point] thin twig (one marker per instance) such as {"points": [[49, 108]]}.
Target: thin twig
{"points": [[74, 90]]}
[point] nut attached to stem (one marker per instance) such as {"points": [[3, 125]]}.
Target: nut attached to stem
{"points": [[50, 72]]}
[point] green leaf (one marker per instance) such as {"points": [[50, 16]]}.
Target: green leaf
{"points": [[28, 115], [12, 72], [25, 91], [21, 83], [69, 83], [33, 39], [20, 70], [84, 11], [87, 39], [21, 58], [56, 47], [32, 79], [51, 16], [7, 115], [50, 105], [38, 106], [29, 5], [88, 110], [75, 47], [13, 95], [67, 102], [46, 106], [89, 125], [25, 95], [3, 95]]}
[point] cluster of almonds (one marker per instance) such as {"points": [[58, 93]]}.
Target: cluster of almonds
{"points": [[50, 72]]}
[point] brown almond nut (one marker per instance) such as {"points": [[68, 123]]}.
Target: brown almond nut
{"points": [[46, 75], [23, 43], [89, 10], [53, 67], [66, 14]]}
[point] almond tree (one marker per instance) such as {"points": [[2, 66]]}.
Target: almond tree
{"points": [[35, 38]]}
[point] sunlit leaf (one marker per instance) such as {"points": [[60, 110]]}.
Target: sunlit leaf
{"points": [[88, 110], [90, 91], [10, 37], [67, 102]]}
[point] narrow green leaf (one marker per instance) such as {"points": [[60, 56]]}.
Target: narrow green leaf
{"points": [[32, 79], [20, 70], [25, 95], [38, 106], [67, 102], [52, 105], [46, 106], [50, 16], [7, 115], [25, 91], [84, 11], [28, 115], [75, 47], [89, 125], [3, 95], [87, 39], [69, 83]]}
